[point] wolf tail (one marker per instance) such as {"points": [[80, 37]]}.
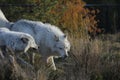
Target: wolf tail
{"points": [[3, 20]]}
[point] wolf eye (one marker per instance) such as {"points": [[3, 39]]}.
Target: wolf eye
{"points": [[65, 47], [60, 48]]}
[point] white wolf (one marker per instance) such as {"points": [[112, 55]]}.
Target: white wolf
{"points": [[16, 41], [50, 39]]}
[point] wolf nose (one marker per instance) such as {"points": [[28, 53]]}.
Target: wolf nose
{"points": [[34, 48]]}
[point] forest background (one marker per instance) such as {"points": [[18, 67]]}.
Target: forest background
{"points": [[92, 27]]}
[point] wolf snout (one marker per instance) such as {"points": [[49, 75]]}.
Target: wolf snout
{"points": [[65, 56], [34, 48]]}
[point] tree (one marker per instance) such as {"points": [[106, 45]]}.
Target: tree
{"points": [[71, 15]]}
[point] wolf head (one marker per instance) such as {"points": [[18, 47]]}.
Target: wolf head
{"points": [[20, 42], [62, 46], [27, 42]]}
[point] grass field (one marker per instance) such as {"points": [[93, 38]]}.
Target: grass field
{"points": [[90, 59]]}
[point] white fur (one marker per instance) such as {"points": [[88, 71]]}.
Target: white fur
{"points": [[49, 38], [45, 36], [14, 40]]}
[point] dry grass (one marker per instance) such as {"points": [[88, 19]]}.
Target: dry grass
{"points": [[97, 59]]}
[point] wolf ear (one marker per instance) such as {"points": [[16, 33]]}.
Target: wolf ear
{"points": [[56, 38], [24, 40]]}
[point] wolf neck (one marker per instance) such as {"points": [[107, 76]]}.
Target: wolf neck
{"points": [[3, 23]]}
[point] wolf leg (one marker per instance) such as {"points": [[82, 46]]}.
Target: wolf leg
{"points": [[50, 62]]}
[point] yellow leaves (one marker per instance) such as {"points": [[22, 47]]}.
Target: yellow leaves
{"points": [[72, 16]]}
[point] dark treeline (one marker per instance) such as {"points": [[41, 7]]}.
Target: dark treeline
{"points": [[109, 14]]}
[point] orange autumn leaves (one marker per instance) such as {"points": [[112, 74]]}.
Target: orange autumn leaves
{"points": [[73, 16]]}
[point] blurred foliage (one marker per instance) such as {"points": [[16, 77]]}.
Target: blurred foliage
{"points": [[69, 15], [37, 10]]}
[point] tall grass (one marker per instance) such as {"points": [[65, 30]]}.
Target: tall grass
{"points": [[90, 59], [97, 59]]}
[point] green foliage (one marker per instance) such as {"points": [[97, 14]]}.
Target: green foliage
{"points": [[36, 12]]}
